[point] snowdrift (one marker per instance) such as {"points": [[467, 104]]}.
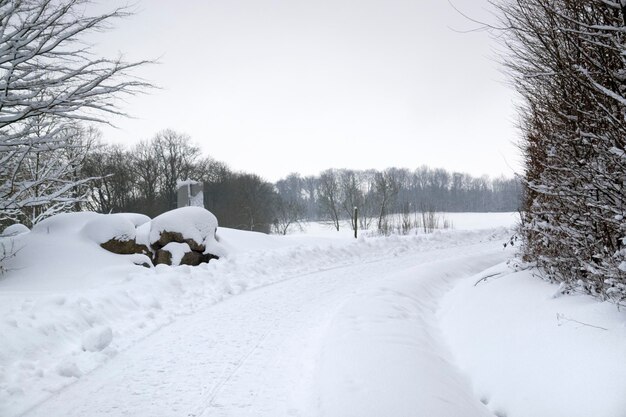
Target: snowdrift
{"points": [[531, 351]]}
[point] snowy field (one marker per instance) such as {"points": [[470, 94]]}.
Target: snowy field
{"points": [[314, 323], [458, 221]]}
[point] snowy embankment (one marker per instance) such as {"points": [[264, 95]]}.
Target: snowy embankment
{"points": [[68, 306], [531, 351]]}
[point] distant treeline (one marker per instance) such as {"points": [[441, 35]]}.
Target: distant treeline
{"points": [[396, 190], [142, 179]]}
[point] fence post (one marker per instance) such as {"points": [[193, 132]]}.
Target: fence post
{"points": [[356, 221]]}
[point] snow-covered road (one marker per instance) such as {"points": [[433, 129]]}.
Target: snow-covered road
{"points": [[357, 340]]}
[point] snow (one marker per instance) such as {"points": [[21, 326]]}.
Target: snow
{"points": [[383, 354], [68, 370], [181, 183], [335, 326], [64, 223], [262, 352], [530, 351], [97, 338], [481, 221], [105, 227], [142, 234], [58, 255], [192, 222], [178, 250], [135, 218], [460, 221]]}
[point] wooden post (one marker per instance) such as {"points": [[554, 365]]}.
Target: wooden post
{"points": [[356, 221]]}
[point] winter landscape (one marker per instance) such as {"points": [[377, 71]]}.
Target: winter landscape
{"points": [[228, 227]]}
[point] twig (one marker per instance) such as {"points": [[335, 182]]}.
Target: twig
{"points": [[560, 317], [486, 277]]}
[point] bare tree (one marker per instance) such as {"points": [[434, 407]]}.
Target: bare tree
{"points": [[146, 171], [48, 78], [254, 203], [351, 193], [290, 205], [113, 188], [288, 213], [329, 195], [386, 190], [176, 157]]}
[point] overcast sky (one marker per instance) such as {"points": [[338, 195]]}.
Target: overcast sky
{"points": [[280, 86]]}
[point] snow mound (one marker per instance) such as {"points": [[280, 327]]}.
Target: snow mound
{"points": [[96, 339], [106, 227], [193, 223], [65, 223], [14, 230], [69, 369]]}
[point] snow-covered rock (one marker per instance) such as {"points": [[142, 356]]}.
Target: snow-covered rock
{"points": [[182, 236], [191, 223], [116, 234], [106, 227]]}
